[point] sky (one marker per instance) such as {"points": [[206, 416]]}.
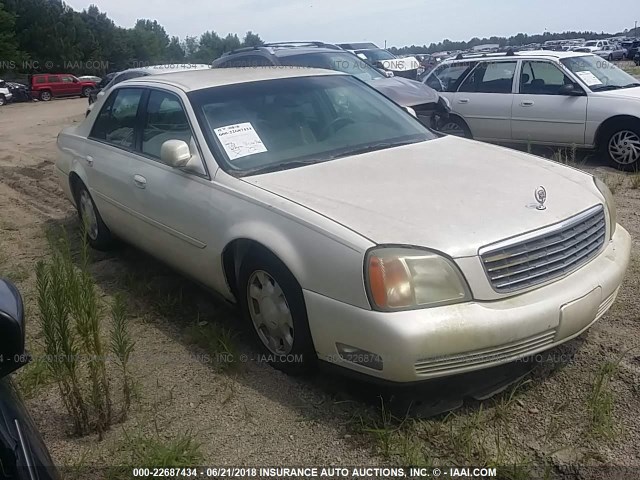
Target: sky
{"points": [[398, 22]]}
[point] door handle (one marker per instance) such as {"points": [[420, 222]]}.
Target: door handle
{"points": [[89, 160], [140, 181], [527, 103], [463, 100]]}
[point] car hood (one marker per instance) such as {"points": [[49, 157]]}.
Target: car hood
{"points": [[627, 93], [449, 194], [405, 92]]}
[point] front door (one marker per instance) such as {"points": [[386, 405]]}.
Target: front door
{"points": [[541, 114], [485, 97]]}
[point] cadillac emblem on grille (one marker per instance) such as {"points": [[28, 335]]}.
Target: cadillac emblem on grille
{"points": [[541, 196]]}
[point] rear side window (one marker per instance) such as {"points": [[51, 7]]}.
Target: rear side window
{"points": [[165, 120], [447, 78], [41, 80], [116, 122], [54, 79], [246, 61], [490, 77]]}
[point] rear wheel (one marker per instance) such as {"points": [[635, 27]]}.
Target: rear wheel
{"points": [[98, 235], [2, 100], [455, 126], [621, 144], [45, 95], [273, 306]]}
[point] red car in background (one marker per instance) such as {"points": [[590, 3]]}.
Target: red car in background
{"points": [[45, 86]]}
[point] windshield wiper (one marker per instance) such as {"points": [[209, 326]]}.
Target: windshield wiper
{"points": [[281, 166], [372, 148], [604, 88], [631, 85]]}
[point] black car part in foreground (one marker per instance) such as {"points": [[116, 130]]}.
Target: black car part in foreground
{"points": [[23, 454]]}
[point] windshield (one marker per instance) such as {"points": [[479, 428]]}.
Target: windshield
{"points": [[277, 124], [598, 74], [377, 55], [343, 62], [591, 44]]}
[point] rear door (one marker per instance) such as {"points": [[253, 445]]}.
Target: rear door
{"points": [[55, 85], [110, 145], [485, 97], [540, 113]]}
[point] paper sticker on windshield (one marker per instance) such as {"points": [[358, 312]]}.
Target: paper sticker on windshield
{"points": [[589, 78], [240, 140]]}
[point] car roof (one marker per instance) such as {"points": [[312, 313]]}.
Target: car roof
{"points": [[522, 54], [281, 49], [168, 68], [216, 77]]}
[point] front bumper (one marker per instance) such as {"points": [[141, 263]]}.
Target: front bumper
{"points": [[422, 344]]}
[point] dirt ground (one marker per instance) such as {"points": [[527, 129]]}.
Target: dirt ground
{"points": [[255, 415]]}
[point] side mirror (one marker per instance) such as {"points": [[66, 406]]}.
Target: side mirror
{"points": [[411, 111], [571, 90], [12, 332], [75, 80], [175, 153]]}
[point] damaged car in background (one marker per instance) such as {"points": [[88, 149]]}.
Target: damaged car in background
{"points": [[431, 108], [346, 231]]}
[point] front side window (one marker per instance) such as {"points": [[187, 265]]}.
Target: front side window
{"points": [[542, 78], [447, 78], [67, 79], [289, 122], [116, 122], [341, 61], [165, 119], [490, 77], [598, 74]]}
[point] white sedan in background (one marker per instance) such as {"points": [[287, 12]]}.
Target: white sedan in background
{"points": [[568, 99], [346, 231]]}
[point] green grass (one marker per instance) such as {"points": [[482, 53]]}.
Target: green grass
{"points": [[32, 377], [220, 344], [182, 451], [601, 402]]}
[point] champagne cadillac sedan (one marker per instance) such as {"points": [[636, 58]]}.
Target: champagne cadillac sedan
{"points": [[345, 230]]}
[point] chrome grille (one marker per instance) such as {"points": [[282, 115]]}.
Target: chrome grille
{"points": [[546, 254]]}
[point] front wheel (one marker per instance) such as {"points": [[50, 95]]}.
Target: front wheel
{"points": [[86, 91], [273, 306], [97, 233], [622, 146], [455, 126]]}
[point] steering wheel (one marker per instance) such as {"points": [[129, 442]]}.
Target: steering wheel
{"points": [[335, 125]]}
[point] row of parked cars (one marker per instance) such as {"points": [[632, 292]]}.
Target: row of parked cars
{"points": [[46, 86]]}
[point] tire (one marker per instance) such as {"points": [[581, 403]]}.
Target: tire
{"points": [[266, 288], [455, 126], [86, 91], [610, 58], [98, 234], [620, 143], [3, 100], [45, 95]]}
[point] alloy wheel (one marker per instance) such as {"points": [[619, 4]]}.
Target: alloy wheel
{"points": [[88, 215], [270, 313], [45, 96], [624, 147]]}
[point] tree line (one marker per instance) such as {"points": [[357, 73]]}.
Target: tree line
{"points": [[48, 35]]}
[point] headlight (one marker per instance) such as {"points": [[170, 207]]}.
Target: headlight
{"points": [[404, 278], [609, 203]]}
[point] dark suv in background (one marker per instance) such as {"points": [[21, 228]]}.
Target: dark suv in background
{"points": [[430, 108]]}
